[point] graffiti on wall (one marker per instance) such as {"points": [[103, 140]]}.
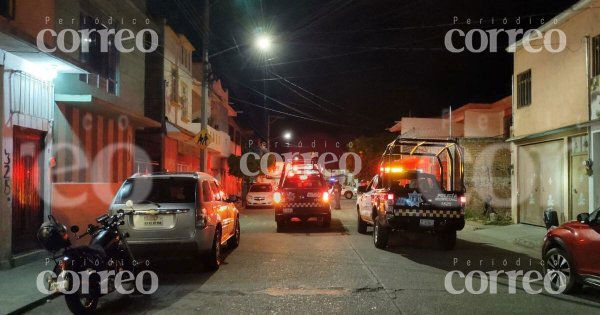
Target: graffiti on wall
{"points": [[7, 186]]}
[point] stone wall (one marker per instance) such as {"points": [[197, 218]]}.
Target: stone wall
{"points": [[487, 174]]}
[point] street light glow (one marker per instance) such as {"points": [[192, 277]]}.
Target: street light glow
{"points": [[287, 135], [263, 42]]}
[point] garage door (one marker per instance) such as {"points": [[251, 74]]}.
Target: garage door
{"points": [[540, 180]]}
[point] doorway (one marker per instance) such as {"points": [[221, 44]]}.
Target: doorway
{"points": [[27, 203]]}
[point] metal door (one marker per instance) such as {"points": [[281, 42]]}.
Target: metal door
{"points": [[27, 206]]}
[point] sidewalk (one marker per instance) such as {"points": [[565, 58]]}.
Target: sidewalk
{"points": [[18, 286], [520, 238]]}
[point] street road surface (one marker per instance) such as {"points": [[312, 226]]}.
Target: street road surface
{"points": [[312, 270]]}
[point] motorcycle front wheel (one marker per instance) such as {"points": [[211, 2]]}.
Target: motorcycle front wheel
{"points": [[84, 303]]}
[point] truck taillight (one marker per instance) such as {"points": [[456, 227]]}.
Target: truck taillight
{"points": [[277, 197], [390, 196], [326, 197], [201, 217], [463, 200]]}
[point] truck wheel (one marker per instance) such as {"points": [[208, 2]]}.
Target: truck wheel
{"points": [[446, 239], [380, 234], [362, 225], [327, 220], [348, 195], [280, 224]]}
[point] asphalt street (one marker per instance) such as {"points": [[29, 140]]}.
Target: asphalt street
{"points": [[312, 270]]}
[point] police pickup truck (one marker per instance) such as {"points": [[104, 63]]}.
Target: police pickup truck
{"points": [[419, 187]]}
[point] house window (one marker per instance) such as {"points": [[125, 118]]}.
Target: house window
{"points": [[174, 85], [524, 88], [7, 8], [596, 56], [104, 62]]}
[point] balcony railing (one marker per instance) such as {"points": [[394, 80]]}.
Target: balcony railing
{"points": [[31, 96], [102, 83]]}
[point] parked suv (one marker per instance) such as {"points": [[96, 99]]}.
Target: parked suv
{"points": [[571, 252], [178, 214], [302, 194]]}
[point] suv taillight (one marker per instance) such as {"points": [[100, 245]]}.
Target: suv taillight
{"points": [[325, 197], [463, 200], [201, 217]]}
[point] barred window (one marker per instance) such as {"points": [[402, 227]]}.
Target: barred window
{"points": [[596, 56], [524, 88]]}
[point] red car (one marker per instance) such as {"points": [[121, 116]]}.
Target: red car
{"points": [[571, 253]]}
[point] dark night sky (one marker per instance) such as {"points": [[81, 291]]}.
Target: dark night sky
{"points": [[370, 62]]}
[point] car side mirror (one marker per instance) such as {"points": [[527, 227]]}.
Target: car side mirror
{"points": [[74, 229], [583, 217]]}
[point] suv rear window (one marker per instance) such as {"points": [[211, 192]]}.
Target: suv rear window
{"points": [[260, 188], [159, 190], [299, 182]]}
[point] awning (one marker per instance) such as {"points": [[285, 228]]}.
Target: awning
{"points": [[106, 108], [554, 132]]}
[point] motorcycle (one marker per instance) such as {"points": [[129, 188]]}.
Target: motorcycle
{"points": [[84, 273]]}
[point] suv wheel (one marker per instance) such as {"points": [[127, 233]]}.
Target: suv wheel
{"points": [[280, 224], [560, 267], [234, 241], [446, 239], [362, 225], [327, 220], [213, 259], [348, 195], [380, 234]]}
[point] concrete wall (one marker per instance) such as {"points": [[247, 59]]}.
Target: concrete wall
{"points": [[81, 204], [559, 80], [430, 128], [487, 174]]}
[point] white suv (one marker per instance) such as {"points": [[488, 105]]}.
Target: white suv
{"points": [[178, 214]]}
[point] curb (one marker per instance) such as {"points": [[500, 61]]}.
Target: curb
{"points": [[34, 304]]}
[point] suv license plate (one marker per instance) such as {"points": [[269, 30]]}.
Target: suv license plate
{"points": [[288, 210], [152, 220], [426, 223]]}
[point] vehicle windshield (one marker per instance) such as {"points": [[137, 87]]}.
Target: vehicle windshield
{"points": [[158, 190], [261, 188]]}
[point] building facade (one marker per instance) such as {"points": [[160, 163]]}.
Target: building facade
{"points": [[556, 135]]}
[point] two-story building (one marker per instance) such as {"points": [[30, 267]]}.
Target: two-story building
{"points": [[68, 113], [556, 115]]}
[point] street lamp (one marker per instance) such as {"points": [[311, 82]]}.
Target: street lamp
{"points": [[287, 136], [263, 42]]}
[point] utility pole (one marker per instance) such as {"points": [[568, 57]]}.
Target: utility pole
{"points": [[205, 83]]}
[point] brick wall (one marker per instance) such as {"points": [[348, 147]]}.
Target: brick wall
{"points": [[487, 174]]}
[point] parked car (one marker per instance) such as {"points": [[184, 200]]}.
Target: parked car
{"points": [[260, 195], [347, 191], [302, 194], [178, 214], [571, 252]]}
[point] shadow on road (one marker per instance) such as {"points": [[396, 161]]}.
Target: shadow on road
{"points": [[469, 256], [177, 278], [313, 226]]}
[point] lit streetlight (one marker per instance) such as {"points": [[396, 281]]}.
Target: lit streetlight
{"points": [[287, 136], [263, 42]]}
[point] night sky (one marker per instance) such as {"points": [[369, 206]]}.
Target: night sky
{"points": [[353, 67]]}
